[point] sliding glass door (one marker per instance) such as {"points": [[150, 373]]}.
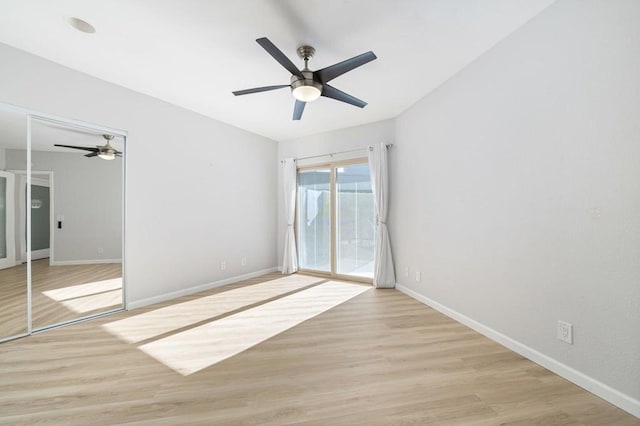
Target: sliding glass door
{"points": [[336, 220]]}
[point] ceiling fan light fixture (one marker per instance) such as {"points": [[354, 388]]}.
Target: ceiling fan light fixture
{"points": [[107, 152], [306, 93], [107, 155], [305, 89]]}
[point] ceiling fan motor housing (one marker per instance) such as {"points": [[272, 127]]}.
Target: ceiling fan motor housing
{"points": [[308, 80]]}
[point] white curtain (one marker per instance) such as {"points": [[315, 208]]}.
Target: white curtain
{"points": [[384, 275], [290, 259]]}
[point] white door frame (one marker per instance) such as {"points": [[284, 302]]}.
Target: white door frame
{"points": [[10, 226]]}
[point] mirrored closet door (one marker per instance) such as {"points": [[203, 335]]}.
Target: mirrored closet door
{"points": [[13, 272], [61, 221], [76, 222]]}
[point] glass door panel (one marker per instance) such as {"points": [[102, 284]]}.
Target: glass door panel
{"points": [[314, 219], [355, 221]]}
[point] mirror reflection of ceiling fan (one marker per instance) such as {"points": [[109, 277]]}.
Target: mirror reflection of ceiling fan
{"points": [[106, 151]]}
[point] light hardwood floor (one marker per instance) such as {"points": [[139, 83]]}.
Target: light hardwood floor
{"points": [[379, 357]]}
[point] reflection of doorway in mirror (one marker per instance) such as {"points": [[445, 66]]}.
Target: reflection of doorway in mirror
{"points": [[40, 229], [42, 208]]}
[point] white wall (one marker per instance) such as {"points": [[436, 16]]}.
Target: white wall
{"points": [[88, 194], [516, 189], [198, 191], [325, 143]]}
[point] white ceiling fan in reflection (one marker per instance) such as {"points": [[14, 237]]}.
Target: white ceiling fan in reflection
{"points": [[106, 151]]}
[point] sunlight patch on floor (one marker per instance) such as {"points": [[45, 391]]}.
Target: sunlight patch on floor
{"points": [[154, 323], [95, 302], [88, 297], [195, 349], [80, 290]]}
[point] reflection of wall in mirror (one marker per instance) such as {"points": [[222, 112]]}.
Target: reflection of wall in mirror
{"points": [[88, 194]]}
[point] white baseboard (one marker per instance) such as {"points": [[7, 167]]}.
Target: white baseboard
{"points": [[606, 392], [196, 289], [83, 262]]}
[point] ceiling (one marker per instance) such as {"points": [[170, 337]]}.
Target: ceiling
{"points": [[194, 53]]}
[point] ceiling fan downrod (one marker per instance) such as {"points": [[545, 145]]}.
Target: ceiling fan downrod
{"points": [[305, 53]]}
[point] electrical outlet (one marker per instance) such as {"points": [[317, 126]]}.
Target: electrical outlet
{"points": [[223, 265], [406, 271], [418, 276], [100, 250], [565, 332], [243, 262]]}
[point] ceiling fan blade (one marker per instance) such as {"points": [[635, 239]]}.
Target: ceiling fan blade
{"points": [[86, 148], [298, 109], [339, 95], [329, 73], [279, 56], [259, 89], [93, 154]]}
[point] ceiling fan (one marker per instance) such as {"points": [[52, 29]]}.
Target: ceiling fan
{"points": [[307, 85], [106, 151]]}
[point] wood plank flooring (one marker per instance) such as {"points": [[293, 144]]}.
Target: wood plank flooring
{"points": [[379, 358]]}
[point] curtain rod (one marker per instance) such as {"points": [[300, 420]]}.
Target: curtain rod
{"points": [[331, 154]]}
